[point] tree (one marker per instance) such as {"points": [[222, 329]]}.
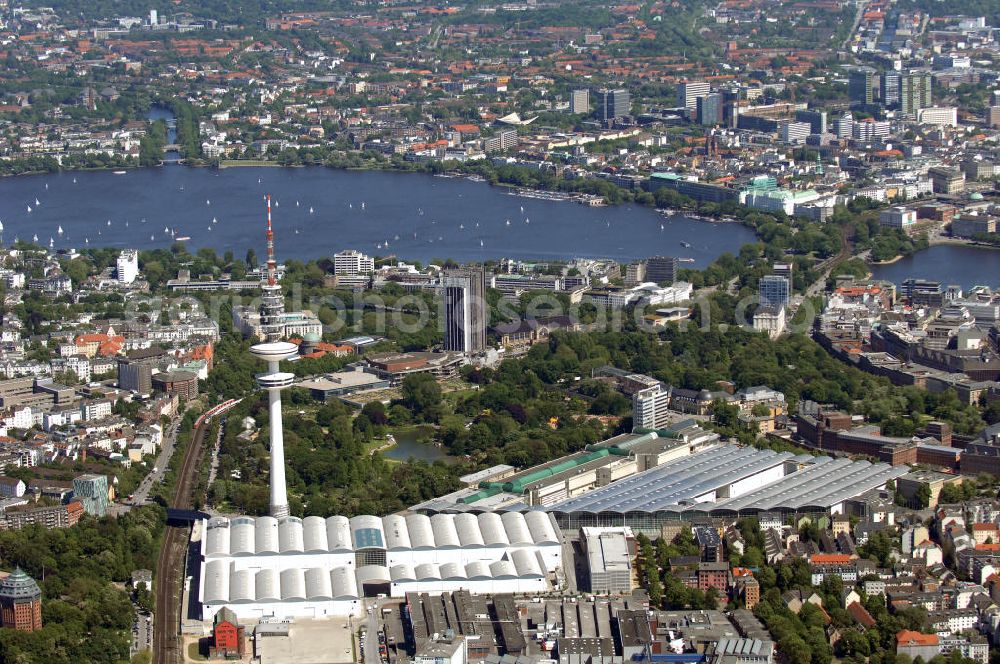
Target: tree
{"points": [[923, 495], [422, 395]]}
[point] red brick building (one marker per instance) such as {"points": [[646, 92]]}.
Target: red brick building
{"points": [[20, 602], [714, 575], [227, 635]]}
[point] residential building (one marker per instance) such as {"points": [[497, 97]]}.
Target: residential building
{"points": [[890, 88], [914, 92], [352, 262], [650, 407], [127, 266], [939, 116]]}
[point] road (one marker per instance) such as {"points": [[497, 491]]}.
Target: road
{"points": [[141, 494], [168, 584]]}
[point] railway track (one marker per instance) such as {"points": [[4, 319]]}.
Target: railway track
{"points": [[169, 584], [170, 565]]}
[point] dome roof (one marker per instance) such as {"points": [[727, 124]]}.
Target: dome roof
{"points": [[19, 586], [976, 196], [311, 337]]}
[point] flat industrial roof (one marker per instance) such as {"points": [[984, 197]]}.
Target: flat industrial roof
{"points": [[823, 483], [673, 484]]}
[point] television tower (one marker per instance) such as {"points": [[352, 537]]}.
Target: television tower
{"points": [[272, 306], [274, 380]]}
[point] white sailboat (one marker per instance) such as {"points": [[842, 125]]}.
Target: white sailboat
{"points": [[86, 240], [508, 222], [527, 220], [166, 230], [275, 203], [74, 180], [461, 227], [59, 230], [35, 238], [522, 209], [208, 202], [214, 220], [350, 205], [46, 186], [52, 243], [29, 208], [126, 224], [37, 202], [109, 222], [152, 238], [480, 243], [310, 210], [296, 203], [362, 205]]}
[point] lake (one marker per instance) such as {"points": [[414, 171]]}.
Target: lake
{"points": [[947, 263], [319, 211], [413, 444]]}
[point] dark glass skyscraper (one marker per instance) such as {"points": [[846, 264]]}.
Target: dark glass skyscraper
{"points": [[465, 312], [613, 104]]}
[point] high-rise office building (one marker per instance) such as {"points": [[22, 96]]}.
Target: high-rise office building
{"points": [[661, 269], [135, 372], [579, 101], [465, 310], [816, 120], [790, 131], [890, 88], [861, 86], [688, 93], [914, 92], [650, 408], [844, 126], [731, 106], [613, 104], [92, 491], [274, 380], [774, 291], [709, 109]]}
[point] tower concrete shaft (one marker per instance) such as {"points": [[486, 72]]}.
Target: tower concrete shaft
{"points": [[275, 380]]}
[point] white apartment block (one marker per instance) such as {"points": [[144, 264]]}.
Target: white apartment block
{"points": [[352, 262]]}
